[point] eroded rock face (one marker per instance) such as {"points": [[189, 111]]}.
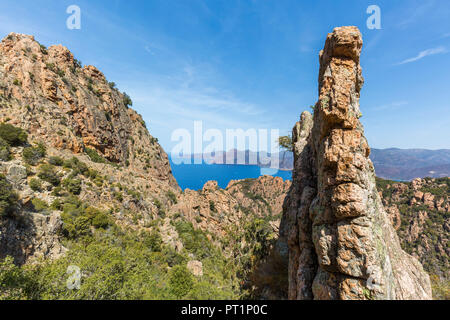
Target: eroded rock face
{"points": [[341, 242], [30, 237], [67, 106]]}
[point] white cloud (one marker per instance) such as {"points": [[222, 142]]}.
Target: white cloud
{"points": [[424, 54], [391, 105]]}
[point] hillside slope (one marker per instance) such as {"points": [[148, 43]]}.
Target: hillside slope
{"points": [[82, 182]]}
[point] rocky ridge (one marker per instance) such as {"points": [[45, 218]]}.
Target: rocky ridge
{"points": [[341, 242]]}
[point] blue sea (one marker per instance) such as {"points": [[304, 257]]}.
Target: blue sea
{"points": [[194, 176]]}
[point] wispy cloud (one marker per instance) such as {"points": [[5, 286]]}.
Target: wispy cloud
{"points": [[392, 105], [424, 54], [415, 12]]}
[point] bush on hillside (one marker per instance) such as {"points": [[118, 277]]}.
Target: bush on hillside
{"points": [[5, 154], [94, 156], [39, 205], [127, 100], [8, 198], [12, 135], [32, 155], [47, 173], [56, 161], [35, 184], [180, 281], [72, 185]]}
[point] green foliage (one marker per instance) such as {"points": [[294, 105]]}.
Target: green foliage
{"points": [[78, 219], [12, 135], [153, 241], [127, 100], [47, 173], [32, 155], [79, 167], [212, 206], [35, 184], [180, 281], [440, 287], [172, 196], [98, 219], [94, 156], [5, 154], [39, 205], [72, 185], [117, 264], [8, 198], [58, 192], [15, 282], [43, 49], [118, 196], [195, 241], [285, 142], [56, 161]]}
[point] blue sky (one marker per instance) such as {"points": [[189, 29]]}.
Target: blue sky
{"points": [[254, 64]]}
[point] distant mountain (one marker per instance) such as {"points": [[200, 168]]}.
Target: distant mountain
{"points": [[392, 163], [407, 164]]}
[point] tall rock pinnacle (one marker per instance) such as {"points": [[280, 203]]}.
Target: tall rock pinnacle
{"points": [[341, 242]]}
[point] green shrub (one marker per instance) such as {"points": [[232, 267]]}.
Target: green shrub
{"points": [[94, 156], [56, 204], [35, 184], [77, 166], [72, 185], [172, 196], [15, 282], [5, 154], [8, 198], [180, 281], [127, 100], [47, 173], [12, 135], [97, 218], [212, 206], [153, 241], [56, 161], [79, 228], [118, 196], [57, 192], [39, 205], [32, 155]]}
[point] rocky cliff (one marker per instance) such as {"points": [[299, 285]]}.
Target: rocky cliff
{"points": [[70, 107], [70, 113], [341, 242]]}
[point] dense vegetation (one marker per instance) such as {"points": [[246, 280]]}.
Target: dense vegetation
{"points": [[119, 264]]}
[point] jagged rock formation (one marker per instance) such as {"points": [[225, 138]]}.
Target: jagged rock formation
{"points": [[216, 210], [74, 112], [341, 242], [57, 101]]}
